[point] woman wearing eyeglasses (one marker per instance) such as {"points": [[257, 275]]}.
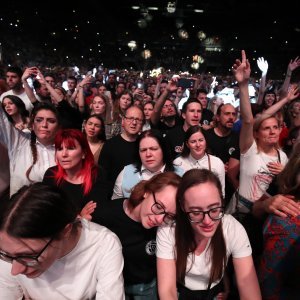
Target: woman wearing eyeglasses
{"points": [[47, 253], [134, 220], [194, 253]]}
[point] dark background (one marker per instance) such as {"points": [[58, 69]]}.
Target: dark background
{"points": [[97, 32]]}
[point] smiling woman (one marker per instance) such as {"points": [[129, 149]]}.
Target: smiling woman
{"points": [[43, 245], [134, 220]]}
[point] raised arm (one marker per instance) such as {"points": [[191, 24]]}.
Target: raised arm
{"points": [[28, 90], [263, 66], [241, 71], [155, 117], [293, 64], [292, 94]]}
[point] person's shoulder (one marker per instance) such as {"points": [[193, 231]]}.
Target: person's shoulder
{"points": [[50, 172]]}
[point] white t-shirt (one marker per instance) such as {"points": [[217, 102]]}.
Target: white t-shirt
{"points": [[255, 176], [20, 155], [217, 166], [23, 96], [92, 270], [237, 244]]}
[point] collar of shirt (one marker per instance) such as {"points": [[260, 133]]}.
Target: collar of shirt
{"points": [[38, 143], [147, 174], [196, 163]]}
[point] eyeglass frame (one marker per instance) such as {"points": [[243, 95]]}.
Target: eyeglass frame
{"points": [[19, 258], [131, 119], [166, 214], [206, 212]]}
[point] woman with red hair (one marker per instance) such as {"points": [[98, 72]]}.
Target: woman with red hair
{"points": [[75, 171]]}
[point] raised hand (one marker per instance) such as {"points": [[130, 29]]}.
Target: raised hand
{"points": [[263, 65], [241, 69], [294, 64]]}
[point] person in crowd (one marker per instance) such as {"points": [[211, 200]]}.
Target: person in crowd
{"points": [[30, 154], [135, 221], [14, 83], [120, 106], [197, 261], [3, 86], [148, 108], [261, 159], [191, 113], [207, 115], [94, 129], [153, 157], [279, 266], [16, 112], [46, 252], [165, 116], [195, 155], [120, 150], [76, 173]]}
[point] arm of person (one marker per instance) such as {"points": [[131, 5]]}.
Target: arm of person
{"points": [[166, 279], [233, 172], [118, 192], [155, 117], [293, 64], [28, 90], [241, 71], [110, 282], [280, 205], [246, 278], [263, 66], [292, 94]]}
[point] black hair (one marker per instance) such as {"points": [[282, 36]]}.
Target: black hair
{"points": [[37, 211]]}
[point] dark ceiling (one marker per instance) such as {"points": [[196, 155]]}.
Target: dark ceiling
{"points": [[98, 32]]}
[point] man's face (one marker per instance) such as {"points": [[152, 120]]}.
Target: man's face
{"points": [[168, 109], [227, 116], [133, 121], [13, 80], [203, 99], [193, 114]]}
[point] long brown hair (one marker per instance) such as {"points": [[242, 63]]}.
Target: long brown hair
{"points": [[185, 241]]}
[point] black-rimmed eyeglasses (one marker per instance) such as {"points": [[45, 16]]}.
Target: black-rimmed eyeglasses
{"points": [[131, 119], [26, 260], [158, 209], [197, 216]]}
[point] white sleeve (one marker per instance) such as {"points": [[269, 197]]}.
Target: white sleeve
{"points": [[220, 171], [165, 242], [9, 287], [118, 192], [9, 135], [110, 282], [236, 238]]}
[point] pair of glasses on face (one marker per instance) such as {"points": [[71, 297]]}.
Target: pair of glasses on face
{"points": [[158, 209], [26, 260], [131, 119], [197, 216]]}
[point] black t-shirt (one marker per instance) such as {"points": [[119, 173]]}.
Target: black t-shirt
{"points": [[99, 192], [223, 147], [207, 116], [115, 155], [139, 243], [175, 140]]}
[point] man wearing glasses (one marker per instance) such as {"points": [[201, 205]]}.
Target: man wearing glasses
{"points": [[120, 150]]}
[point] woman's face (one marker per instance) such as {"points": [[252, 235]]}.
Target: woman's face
{"points": [[10, 107], [151, 154], [268, 132], [269, 100], [125, 101], [45, 126], [92, 127], [98, 105], [30, 247], [203, 197], [197, 145], [165, 198], [148, 110], [70, 156]]}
